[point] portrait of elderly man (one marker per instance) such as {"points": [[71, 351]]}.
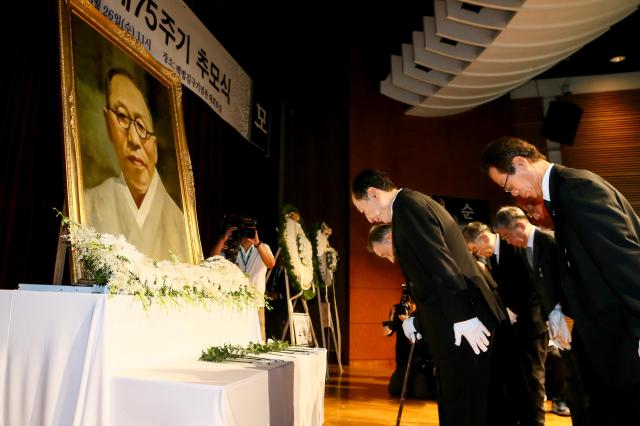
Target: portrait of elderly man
{"points": [[135, 203]]}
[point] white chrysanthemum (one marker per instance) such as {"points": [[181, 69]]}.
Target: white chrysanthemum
{"points": [[131, 272], [327, 257], [300, 253]]}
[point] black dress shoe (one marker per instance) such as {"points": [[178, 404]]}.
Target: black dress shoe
{"points": [[560, 407]]}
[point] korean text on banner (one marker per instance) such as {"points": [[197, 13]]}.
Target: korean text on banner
{"points": [[175, 37]]}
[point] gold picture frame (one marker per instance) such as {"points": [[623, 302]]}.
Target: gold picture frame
{"points": [[111, 147]]}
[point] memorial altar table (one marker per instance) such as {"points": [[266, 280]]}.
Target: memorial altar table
{"points": [[91, 359], [192, 393], [166, 333]]}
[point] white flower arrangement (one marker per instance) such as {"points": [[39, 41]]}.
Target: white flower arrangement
{"points": [[298, 253], [300, 250], [109, 259], [326, 255]]}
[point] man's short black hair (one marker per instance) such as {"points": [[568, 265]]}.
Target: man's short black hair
{"points": [[500, 154], [111, 73], [370, 178], [377, 234]]}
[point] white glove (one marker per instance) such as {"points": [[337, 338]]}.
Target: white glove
{"points": [[410, 330], [558, 328], [475, 332], [513, 317]]}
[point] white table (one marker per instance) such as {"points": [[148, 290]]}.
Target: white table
{"points": [[54, 347], [194, 393], [288, 391], [164, 334], [310, 368], [51, 358], [87, 359]]}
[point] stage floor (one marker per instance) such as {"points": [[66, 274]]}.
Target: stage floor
{"points": [[359, 398]]}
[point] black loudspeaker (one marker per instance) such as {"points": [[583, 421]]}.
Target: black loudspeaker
{"points": [[561, 122]]}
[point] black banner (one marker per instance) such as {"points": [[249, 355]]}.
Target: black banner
{"points": [[465, 210]]}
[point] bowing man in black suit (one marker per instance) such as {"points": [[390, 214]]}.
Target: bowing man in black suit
{"points": [[598, 239], [513, 226], [453, 299], [510, 270]]}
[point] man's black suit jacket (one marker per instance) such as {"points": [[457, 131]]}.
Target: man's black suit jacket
{"points": [[598, 238], [545, 272], [448, 286], [513, 276]]}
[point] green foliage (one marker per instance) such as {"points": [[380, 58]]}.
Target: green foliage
{"points": [[229, 351]]}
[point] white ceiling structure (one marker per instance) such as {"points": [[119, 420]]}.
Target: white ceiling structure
{"points": [[474, 51]]}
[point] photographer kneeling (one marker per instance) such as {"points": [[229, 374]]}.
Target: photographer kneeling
{"points": [[240, 242], [421, 382]]}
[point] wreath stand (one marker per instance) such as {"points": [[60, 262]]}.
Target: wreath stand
{"points": [[299, 325], [292, 301], [326, 320]]}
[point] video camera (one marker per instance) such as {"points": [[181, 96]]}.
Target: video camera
{"points": [[402, 308], [245, 228]]}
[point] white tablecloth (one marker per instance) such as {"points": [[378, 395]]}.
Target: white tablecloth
{"points": [[310, 368], [86, 359], [190, 393], [165, 334], [54, 347], [290, 391], [51, 359]]}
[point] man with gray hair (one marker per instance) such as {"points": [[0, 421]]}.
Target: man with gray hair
{"points": [[512, 224], [508, 267]]}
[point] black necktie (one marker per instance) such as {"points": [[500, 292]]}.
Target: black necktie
{"points": [[549, 207], [493, 262]]}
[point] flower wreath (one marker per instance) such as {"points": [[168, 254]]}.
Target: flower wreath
{"points": [[297, 252], [326, 257], [109, 259]]}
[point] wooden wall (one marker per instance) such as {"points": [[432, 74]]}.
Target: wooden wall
{"points": [[608, 140]]}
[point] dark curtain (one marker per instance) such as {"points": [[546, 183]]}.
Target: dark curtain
{"points": [[33, 178], [230, 174]]}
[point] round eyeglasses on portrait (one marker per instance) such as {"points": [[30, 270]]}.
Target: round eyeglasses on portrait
{"points": [[125, 121]]}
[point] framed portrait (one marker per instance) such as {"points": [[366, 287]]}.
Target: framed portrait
{"points": [[127, 163], [302, 329]]}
